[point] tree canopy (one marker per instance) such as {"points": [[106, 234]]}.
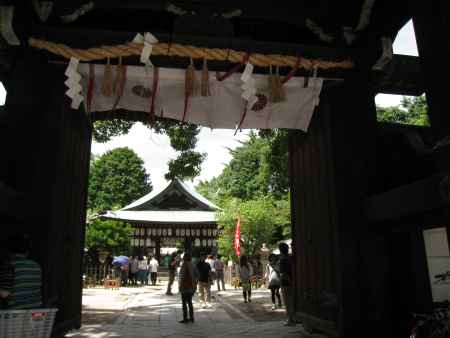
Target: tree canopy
{"points": [[117, 178], [261, 221], [411, 111], [183, 139], [108, 235], [254, 186], [257, 168]]}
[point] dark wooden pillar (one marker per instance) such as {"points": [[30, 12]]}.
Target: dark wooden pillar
{"points": [[331, 170], [432, 24], [49, 163]]}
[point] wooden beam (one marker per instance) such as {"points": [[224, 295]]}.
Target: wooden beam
{"points": [[403, 76], [408, 200]]}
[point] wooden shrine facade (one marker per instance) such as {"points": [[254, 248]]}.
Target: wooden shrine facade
{"points": [[166, 217], [152, 236], [360, 267]]}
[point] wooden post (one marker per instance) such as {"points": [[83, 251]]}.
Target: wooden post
{"points": [[432, 24], [331, 171], [50, 164]]}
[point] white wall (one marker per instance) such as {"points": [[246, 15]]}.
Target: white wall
{"points": [[438, 254]]}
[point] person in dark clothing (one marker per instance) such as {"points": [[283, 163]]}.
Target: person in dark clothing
{"points": [[172, 270], [273, 278], [245, 272], [25, 290], [204, 281], [287, 282], [187, 282]]}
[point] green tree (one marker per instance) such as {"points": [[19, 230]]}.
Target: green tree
{"points": [[258, 171], [116, 179], [259, 220], [277, 160], [108, 235], [411, 111]]}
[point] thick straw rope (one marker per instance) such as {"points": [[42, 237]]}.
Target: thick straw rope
{"points": [[164, 49]]}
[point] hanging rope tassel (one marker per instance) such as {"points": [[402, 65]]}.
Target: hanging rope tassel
{"points": [[90, 93], [205, 90], [121, 79], [118, 75], [271, 85], [244, 115], [189, 87], [280, 96], [107, 80], [292, 72]]}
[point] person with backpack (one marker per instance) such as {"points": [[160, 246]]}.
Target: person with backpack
{"points": [[172, 266], [204, 281], [245, 271], [272, 277], [218, 267], [287, 282], [187, 284]]}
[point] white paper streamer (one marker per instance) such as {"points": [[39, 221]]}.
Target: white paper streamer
{"points": [[148, 39], [318, 31], [79, 12], [6, 17], [386, 55], [73, 83], [43, 9]]}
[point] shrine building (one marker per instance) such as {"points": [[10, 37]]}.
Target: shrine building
{"points": [[168, 216]]}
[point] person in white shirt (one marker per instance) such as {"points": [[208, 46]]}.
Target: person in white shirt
{"points": [[142, 270], [153, 268]]}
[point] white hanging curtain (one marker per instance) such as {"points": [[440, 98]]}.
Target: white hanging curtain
{"points": [[223, 109]]}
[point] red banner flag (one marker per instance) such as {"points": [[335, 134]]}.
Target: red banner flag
{"points": [[237, 238]]}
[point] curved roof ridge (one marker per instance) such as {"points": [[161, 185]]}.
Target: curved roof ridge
{"points": [[155, 193], [197, 196]]}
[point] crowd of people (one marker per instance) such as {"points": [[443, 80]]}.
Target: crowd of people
{"points": [[200, 277], [138, 270], [20, 277]]}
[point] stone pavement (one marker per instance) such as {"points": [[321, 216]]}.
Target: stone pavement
{"points": [[143, 312]]}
